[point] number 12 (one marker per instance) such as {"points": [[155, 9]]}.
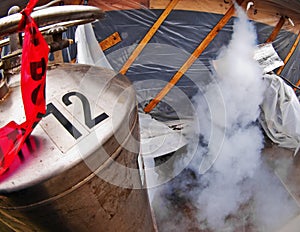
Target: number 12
{"points": [[89, 121]]}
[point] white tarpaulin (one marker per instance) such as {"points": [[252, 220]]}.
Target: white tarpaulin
{"points": [[88, 49], [157, 138], [280, 116]]}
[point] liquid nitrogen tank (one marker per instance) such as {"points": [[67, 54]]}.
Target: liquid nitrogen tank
{"points": [[78, 171]]}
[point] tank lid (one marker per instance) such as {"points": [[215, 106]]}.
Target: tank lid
{"points": [[86, 106]]}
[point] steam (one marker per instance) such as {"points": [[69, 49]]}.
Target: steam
{"points": [[240, 84], [227, 186], [237, 179]]}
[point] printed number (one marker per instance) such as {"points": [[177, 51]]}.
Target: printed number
{"points": [[89, 122], [51, 109]]}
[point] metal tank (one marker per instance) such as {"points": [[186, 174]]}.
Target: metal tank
{"points": [[78, 171]]}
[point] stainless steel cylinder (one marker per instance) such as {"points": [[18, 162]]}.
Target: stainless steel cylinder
{"points": [[78, 171]]}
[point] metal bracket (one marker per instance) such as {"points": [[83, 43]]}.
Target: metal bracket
{"points": [[11, 60]]}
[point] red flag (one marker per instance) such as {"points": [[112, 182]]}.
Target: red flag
{"points": [[33, 79]]}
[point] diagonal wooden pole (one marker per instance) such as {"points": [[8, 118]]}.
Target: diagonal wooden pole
{"points": [[273, 36], [297, 84], [197, 52], [287, 58], [276, 30], [148, 36]]}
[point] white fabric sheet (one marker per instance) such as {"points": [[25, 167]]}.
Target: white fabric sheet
{"points": [[280, 116], [88, 49]]}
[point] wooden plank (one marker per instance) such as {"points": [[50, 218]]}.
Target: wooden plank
{"points": [[110, 41], [148, 36], [276, 30], [197, 52], [287, 58], [263, 11], [213, 6], [112, 5], [297, 84]]}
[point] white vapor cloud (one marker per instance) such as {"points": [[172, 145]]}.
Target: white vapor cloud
{"points": [[227, 186]]}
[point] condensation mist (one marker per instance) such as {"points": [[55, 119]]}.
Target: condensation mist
{"points": [[227, 186]]}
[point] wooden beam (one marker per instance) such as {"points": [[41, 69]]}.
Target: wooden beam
{"points": [[114, 5], [287, 58], [211, 6], [276, 30], [197, 52], [297, 84], [110, 41], [148, 36], [265, 12]]}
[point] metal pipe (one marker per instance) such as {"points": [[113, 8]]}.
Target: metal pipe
{"points": [[5, 41], [48, 5], [51, 15], [14, 42]]}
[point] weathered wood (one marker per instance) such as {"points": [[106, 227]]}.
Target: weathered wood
{"points": [[263, 11], [110, 41], [214, 6], [287, 58], [148, 36], [276, 30], [197, 52], [110, 5], [297, 84]]}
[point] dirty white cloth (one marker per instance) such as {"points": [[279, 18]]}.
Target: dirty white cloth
{"points": [[157, 138], [280, 116], [88, 49]]}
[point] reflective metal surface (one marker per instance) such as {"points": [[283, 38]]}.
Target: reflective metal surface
{"points": [[80, 173], [51, 15]]}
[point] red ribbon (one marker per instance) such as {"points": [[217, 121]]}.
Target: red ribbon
{"points": [[33, 79]]}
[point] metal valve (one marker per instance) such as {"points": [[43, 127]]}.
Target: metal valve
{"points": [[55, 40]]}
